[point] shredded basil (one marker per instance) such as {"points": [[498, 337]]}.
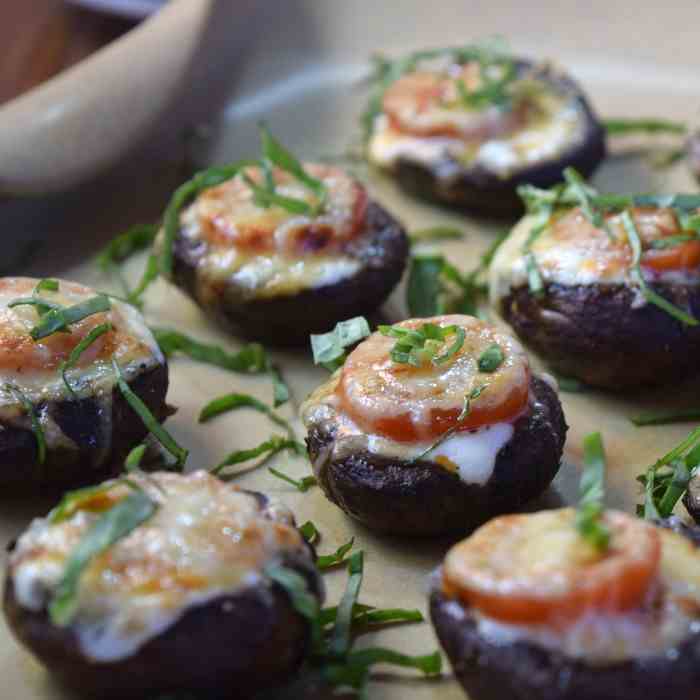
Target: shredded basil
{"points": [[250, 359], [148, 419], [232, 402], [280, 390], [435, 233], [30, 410], [80, 348], [110, 527], [60, 319], [491, 359], [327, 561], [269, 448], [303, 484], [617, 127], [339, 643], [329, 348], [124, 245], [47, 284], [589, 516], [418, 346], [309, 532]]}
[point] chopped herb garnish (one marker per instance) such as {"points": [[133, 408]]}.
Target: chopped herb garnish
{"points": [[672, 241], [269, 448], [133, 459], [232, 402], [491, 359], [534, 277], [666, 417], [637, 275], [80, 348], [424, 290], [589, 516], [126, 244], [149, 420], [265, 198], [435, 233], [42, 305], [585, 195], [617, 127], [309, 532], [110, 527], [46, 285], [150, 274], [666, 481], [329, 348], [327, 561], [369, 615], [250, 359], [72, 501], [422, 345], [60, 319], [339, 643], [30, 410], [303, 484], [280, 390]]}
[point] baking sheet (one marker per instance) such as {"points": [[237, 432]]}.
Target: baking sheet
{"points": [[310, 91]]}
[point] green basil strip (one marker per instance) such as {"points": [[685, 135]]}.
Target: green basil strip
{"points": [[428, 664], [534, 277], [369, 615], [265, 198], [339, 643], [232, 402], [124, 245], [133, 459], [677, 452], [651, 296], [30, 410], [454, 348], [150, 274], [303, 484], [80, 348], [250, 359], [276, 153], [42, 305], [591, 507], [649, 510], [617, 127], [329, 348], [280, 390], [424, 289], [677, 486], [149, 420], [666, 417], [327, 561], [60, 319], [109, 528], [309, 532], [269, 448], [491, 359], [673, 241], [435, 233], [47, 284], [303, 600]]}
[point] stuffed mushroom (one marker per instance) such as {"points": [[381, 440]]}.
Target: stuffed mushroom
{"points": [[465, 127], [280, 250], [528, 609], [181, 597], [64, 419], [605, 288], [434, 425]]}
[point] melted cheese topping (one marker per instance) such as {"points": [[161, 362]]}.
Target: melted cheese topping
{"points": [[206, 539], [571, 251], [470, 454], [668, 615], [552, 126], [269, 251], [34, 366]]}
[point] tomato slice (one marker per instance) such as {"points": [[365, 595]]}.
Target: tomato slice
{"points": [[685, 256], [537, 569], [413, 404]]}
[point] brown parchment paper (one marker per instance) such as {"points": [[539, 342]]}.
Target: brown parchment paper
{"points": [[396, 569]]}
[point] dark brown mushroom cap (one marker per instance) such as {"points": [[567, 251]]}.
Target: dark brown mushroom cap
{"points": [[423, 498]]}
